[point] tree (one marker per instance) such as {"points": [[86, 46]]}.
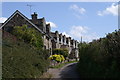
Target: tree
{"points": [[63, 52], [29, 35]]}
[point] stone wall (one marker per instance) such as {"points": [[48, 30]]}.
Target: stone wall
{"points": [[51, 40]]}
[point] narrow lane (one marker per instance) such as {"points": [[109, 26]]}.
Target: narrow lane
{"points": [[68, 71]]}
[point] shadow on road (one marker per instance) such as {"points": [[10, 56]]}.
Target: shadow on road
{"points": [[69, 72]]}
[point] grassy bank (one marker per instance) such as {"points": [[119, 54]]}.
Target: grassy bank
{"points": [[22, 60]]}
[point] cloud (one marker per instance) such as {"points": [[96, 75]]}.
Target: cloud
{"points": [[113, 9], [77, 9], [53, 25], [2, 19], [67, 35], [81, 31]]}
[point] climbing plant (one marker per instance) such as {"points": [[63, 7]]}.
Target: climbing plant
{"points": [[29, 35]]}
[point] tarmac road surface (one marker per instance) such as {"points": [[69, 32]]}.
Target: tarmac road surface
{"points": [[67, 72]]}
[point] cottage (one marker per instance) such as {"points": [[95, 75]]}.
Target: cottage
{"points": [[52, 40]]}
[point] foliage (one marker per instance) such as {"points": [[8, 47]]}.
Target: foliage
{"points": [[100, 58], [62, 64], [21, 59], [29, 35], [58, 58], [63, 52]]}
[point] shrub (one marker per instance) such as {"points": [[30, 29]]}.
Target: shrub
{"points": [[29, 35], [58, 58], [100, 58], [63, 52]]}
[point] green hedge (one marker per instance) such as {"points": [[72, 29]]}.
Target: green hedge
{"points": [[100, 58]]}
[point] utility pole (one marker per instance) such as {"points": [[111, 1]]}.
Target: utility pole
{"points": [[118, 15], [81, 39], [30, 6], [81, 43]]}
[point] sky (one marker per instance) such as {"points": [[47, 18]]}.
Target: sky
{"points": [[60, 0], [89, 20]]}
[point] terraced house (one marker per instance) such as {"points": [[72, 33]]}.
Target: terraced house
{"points": [[52, 40]]}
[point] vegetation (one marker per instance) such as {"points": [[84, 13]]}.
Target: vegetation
{"points": [[62, 64], [100, 58], [22, 56], [28, 35], [58, 58], [63, 52]]}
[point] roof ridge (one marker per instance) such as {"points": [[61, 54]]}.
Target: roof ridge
{"points": [[17, 11]]}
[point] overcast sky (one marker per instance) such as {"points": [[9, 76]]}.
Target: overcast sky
{"points": [[91, 20]]}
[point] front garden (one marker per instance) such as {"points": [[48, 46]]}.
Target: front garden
{"points": [[60, 58]]}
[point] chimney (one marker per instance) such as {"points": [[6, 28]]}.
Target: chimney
{"points": [[34, 16], [48, 28], [56, 32]]}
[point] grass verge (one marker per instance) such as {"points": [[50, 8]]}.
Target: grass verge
{"points": [[62, 64]]}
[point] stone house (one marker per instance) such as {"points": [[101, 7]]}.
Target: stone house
{"points": [[52, 40], [61, 41]]}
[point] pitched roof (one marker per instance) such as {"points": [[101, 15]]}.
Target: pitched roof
{"points": [[18, 12], [0, 24]]}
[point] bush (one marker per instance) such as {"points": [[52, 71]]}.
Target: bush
{"points": [[29, 35], [63, 52], [58, 58], [100, 58]]}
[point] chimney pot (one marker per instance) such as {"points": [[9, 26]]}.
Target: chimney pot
{"points": [[34, 16]]}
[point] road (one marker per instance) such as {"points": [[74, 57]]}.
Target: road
{"points": [[68, 71]]}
